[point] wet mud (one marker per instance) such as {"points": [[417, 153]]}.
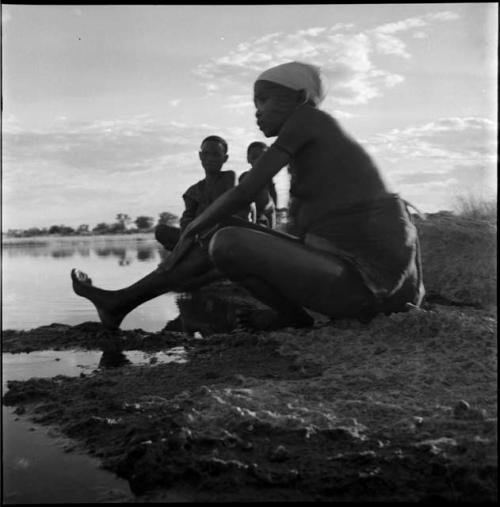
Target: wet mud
{"points": [[401, 409]]}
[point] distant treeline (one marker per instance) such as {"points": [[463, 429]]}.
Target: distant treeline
{"points": [[123, 224]]}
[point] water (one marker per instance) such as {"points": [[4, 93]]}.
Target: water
{"points": [[35, 467], [36, 285], [37, 291]]}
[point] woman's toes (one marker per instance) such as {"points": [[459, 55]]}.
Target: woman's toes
{"points": [[80, 276], [85, 278]]}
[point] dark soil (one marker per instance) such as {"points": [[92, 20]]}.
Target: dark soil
{"points": [[401, 409]]}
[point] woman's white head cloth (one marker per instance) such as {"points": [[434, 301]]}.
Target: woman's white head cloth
{"points": [[298, 76]]}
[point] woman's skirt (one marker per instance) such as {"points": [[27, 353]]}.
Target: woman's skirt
{"points": [[379, 239]]}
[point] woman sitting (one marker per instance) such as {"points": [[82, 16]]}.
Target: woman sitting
{"points": [[355, 251]]}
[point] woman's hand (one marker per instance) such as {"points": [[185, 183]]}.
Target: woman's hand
{"points": [[192, 229], [180, 250], [188, 239]]}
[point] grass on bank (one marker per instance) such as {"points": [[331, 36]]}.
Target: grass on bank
{"points": [[476, 207]]}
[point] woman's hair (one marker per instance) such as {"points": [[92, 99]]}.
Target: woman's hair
{"points": [[298, 76], [216, 139]]}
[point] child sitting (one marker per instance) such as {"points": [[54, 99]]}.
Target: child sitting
{"points": [[213, 155], [264, 209]]}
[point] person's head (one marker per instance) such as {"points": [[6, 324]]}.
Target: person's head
{"points": [[279, 90], [213, 154], [255, 151]]}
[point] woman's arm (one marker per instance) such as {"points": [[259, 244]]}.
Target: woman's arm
{"points": [[243, 194]]}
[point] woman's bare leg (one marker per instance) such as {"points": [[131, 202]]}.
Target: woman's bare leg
{"points": [[192, 272], [287, 275], [113, 305], [289, 313], [279, 271]]}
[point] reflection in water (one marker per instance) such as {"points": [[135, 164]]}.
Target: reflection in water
{"points": [[113, 358], [59, 249], [62, 253], [36, 276], [205, 313], [83, 251], [145, 254], [119, 252], [70, 252]]}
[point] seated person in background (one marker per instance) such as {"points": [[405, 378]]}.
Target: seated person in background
{"points": [[213, 155], [264, 208]]}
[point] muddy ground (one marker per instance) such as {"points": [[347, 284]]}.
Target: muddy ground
{"points": [[401, 409]]}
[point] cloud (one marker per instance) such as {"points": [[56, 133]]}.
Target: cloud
{"points": [[401, 26], [313, 32], [435, 160], [443, 16], [88, 172], [419, 22], [388, 43], [241, 104], [103, 146], [419, 35], [347, 57], [452, 138], [98, 165], [455, 138]]}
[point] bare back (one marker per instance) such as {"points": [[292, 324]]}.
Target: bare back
{"points": [[329, 170]]}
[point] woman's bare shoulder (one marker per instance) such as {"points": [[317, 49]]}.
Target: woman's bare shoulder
{"points": [[308, 115]]}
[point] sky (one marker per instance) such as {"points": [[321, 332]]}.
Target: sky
{"points": [[105, 106]]}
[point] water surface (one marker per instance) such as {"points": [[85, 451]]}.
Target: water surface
{"points": [[36, 285], [35, 468], [37, 291]]}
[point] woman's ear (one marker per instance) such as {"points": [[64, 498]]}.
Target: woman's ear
{"points": [[302, 97]]}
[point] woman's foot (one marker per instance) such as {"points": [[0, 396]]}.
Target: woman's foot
{"points": [[107, 308]]}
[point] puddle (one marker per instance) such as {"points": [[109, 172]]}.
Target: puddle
{"points": [[37, 470], [35, 467], [139, 357], [49, 363]]}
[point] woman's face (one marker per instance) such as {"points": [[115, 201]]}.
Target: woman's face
{"points": [[274, 103]]}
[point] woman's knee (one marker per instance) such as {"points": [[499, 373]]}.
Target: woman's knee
{"points": [[226, 247]]}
